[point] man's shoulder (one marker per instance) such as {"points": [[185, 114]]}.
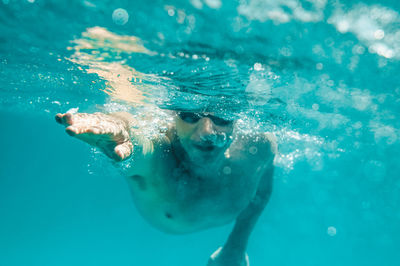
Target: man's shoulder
{"points": [[270, 139], [266, 141], [256, 147], [153, 141]]}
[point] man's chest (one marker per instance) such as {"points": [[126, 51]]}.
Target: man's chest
{"points": [[228, 185], [162, 187]]}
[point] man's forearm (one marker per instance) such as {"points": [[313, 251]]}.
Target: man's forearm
{"points": [[244, 225], [245, 222]]}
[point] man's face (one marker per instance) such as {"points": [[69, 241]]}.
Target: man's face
{"points": [[202, 135]]}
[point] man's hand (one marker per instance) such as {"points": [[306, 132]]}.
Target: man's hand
{"points": [[108, 132], [219, 258]]}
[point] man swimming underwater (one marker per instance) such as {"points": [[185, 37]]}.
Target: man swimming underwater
{"points": [[200, 173]]}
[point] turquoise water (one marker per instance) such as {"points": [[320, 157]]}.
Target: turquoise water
{"points": [[322, 75]]}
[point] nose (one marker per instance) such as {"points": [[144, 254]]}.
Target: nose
{"points": [[206, 127], [206, 131]]}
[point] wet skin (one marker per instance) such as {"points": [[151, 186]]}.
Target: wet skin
{"points": [[201, 173]]}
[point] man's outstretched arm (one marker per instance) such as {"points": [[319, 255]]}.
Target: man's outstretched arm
{"points": [[109, 132]]}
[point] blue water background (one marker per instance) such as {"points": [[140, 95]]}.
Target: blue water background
{"points": [[336, 199]]}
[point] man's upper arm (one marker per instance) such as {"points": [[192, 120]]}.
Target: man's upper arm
{"points": [[141, 136], [264, 188], [246, 220], [271, 139]]}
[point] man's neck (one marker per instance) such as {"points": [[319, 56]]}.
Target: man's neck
{"points": [[201, 168]]}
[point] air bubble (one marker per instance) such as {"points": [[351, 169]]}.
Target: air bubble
{"points": [[227, 170], [379, 34], [358, 49], [171, 12], [213, 3], [357, 125], [258, 67], [253, 150], [331, 231], [120, 16]]}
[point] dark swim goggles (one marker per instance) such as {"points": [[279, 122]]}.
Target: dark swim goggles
{"points": [[190, 117]]}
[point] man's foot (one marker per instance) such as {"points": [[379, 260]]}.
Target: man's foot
{"points": [[109, 133]]}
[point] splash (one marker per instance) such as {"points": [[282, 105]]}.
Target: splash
{"points": [[283, 11], [375, 26]]}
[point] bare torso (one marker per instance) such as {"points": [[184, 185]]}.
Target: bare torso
{"points": [[179, 197], [200, 173]]}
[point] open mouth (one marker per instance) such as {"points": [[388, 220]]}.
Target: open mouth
{"points": [[204, 147]]}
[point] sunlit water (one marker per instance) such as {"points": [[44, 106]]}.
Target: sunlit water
{"points": [[322, 75]]}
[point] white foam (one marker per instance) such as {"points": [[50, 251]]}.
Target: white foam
{"points": [[282, 11], [374, 26]]}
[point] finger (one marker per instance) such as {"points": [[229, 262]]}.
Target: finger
{"points": [[58, 118], [64, 119], [124, 150], [67, 119], [85, 129], [72, 131]]}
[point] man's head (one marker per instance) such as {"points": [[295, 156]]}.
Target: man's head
{"points": [[202, 135]]}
